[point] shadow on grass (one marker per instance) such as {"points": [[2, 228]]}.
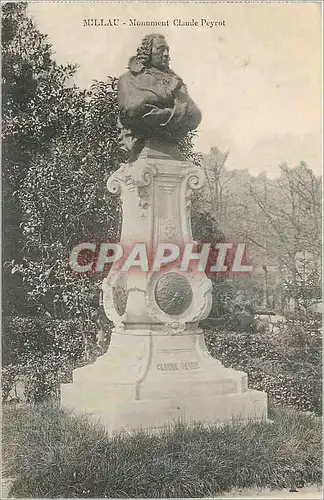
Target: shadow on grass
{"points": [[52, 453]]}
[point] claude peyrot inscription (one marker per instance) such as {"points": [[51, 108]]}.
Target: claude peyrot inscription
{"points": [[183, 365], [113, 22]]}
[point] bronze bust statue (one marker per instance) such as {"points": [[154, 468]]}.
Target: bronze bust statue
{"points": [[153, 101]]}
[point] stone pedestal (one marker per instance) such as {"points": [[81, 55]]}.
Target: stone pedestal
{"points": [[157, 369]]}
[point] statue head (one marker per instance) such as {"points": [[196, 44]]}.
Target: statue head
{"points": [[154, 51]]}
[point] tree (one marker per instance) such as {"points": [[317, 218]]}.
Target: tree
{"points": [[38, 106], [214, 192], [65, 202], [293, 215], [277, 219]]}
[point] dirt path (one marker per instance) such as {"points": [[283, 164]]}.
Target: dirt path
{"points": [[309, 492], [5, 487]]}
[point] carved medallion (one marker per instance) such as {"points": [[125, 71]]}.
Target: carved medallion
{"points": [[173, 293]]}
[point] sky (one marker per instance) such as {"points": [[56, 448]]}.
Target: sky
{"points": [[257, 77]]}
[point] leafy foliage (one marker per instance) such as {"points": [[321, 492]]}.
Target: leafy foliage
{"points": [[304, 287], [204, 228], [38, 103], [286, 363], [65, 202], [42, 352], [60, 145], [234, 301]]}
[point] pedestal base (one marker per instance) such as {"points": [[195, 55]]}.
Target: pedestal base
{"points": [[149, 380], [117, 415], [157, 369]]}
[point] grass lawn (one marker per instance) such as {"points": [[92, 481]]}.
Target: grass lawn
{"points": [[52, 453]]}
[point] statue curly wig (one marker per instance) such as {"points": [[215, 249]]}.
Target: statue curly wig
{"points": [[143, 53]]}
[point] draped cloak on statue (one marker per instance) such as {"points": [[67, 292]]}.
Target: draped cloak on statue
{"points": [[153, 104]]}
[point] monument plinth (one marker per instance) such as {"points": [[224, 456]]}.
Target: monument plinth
{"points": [[157, 369]]}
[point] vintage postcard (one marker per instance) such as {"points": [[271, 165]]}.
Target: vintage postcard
{"points": [[161, 249]]}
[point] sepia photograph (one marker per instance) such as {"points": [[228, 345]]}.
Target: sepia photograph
{"points": [[161, 249]]}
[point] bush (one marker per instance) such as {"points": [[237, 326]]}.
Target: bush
{"points": [[233, 303], [43, 352], [302, 337], [51, 453], [232, 296], [286, 363]]}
